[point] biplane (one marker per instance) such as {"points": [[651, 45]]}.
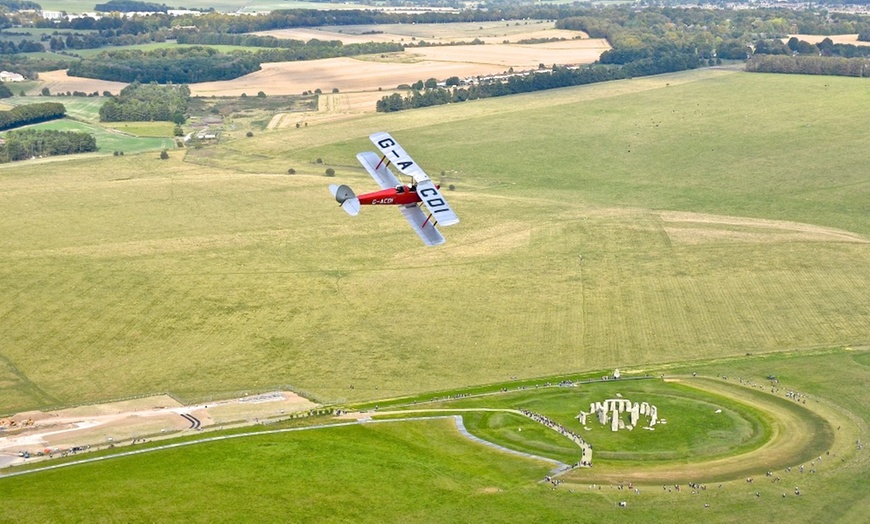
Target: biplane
{"points": [[411, 199]]}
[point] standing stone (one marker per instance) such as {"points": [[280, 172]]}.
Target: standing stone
{"points": [[654, 415], [614, 422], [635, 414], [602, 415], [644, 408]]}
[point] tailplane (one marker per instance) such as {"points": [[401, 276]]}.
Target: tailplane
{"points": [[345, 196]]}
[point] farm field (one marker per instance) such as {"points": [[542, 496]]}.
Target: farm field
{"points": [[837, 39], [59, 82], [606, 246], [487, 32], [372, 73], [259, 6], [709, 222]]}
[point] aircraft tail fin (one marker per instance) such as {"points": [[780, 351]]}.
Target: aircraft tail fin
{"points": [[345, 196]]}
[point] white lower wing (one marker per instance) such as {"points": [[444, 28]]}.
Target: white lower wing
{"points": [[436, 204], [378, 169], [424, 226]]}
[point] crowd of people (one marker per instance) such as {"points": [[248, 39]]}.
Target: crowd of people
{"points": [[585, 447]]}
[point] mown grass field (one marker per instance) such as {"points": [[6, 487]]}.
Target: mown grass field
{"points": [[222, 274], [86, 108], [425, 471], [109, 140]]}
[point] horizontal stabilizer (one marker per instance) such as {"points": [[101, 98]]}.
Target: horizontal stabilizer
{"points": [[345, 196], [351, 205]]}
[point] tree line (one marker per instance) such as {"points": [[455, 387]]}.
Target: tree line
{"points": [[31, 114], [203, 64], [285, 50], [129, 6], [170, 65], [534, 81], [147, 102], [29, 143], [18, 5], [9, 47], [809, 65]]}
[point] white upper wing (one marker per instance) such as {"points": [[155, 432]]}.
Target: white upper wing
{"points": [[429, 194], [397, 156], [378, 169]]}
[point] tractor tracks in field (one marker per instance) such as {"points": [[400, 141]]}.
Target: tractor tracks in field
{"points": [[39, 396]]}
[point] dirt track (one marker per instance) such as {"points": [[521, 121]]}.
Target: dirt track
{"points": [[122, 422]]}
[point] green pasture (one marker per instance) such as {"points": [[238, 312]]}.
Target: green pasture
{"points": [[109, 140], [85, 108], [692, 430], [425, 471], [143, 129], [220, 274]]}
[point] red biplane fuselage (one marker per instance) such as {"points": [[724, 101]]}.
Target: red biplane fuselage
{"points": [[411, 200], [393, 196]]}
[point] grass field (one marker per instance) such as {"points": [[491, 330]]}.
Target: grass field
{"points": [[222, 274], [109, 140], [424, 471], [79, 107], [711, 222], [144, 129]]}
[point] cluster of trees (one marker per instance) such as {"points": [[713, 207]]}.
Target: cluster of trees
{"points": [[800, 47], [809, 65], [18, 5], [285, 50], [29, 66], [147, 102], [130, 6], [538, 81], [170, 65], [5, 92], [9, 47], [730, 23], [314, 52], [29, 143], [30, 114]]}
